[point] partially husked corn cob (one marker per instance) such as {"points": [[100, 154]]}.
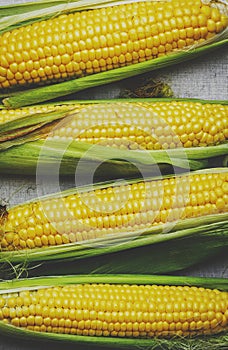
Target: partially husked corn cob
{"points": [[87, 42], [118, 310], [126, 208], [158, 125], [135, 125]]}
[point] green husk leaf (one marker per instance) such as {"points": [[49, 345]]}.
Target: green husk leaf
{"points": [[114, 161], [85, 342], [118, 163], [36, 120], [9, 286]]}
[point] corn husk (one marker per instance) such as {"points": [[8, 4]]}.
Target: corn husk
{"points": [[17, 16], [22, 142], [87, 342], [157, 249], [112, 163]]}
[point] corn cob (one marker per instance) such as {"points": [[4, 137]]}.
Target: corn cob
{"points": [[134, 125], [130, 208], [94, 318], [118, 310], [87, 42]]}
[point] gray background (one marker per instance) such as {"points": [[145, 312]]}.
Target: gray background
{"points": [[205, 78]]}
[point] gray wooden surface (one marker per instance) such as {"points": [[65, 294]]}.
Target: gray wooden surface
{"points": [[205, 77]]}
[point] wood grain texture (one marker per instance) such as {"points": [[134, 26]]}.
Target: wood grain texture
{"points": [[205, 77]]}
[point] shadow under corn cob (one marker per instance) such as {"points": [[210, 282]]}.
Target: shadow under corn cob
{"points": [[125, 311], [103, 39]]}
